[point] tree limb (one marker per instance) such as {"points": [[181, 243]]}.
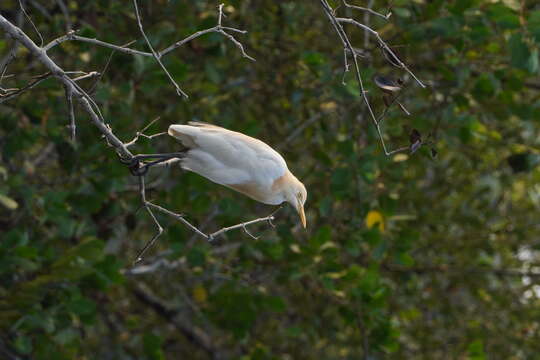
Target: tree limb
{"points": [[192, 333]]}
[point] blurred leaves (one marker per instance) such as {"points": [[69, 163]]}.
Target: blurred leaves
{"points": [[404, 256], [375, 219]]}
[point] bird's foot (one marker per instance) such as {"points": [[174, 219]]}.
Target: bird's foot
{"points": [[138, 167]]}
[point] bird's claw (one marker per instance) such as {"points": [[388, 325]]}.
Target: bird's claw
{"points": [[135, 166], [136, 169]]}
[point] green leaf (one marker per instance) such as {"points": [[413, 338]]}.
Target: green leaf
{"points": [[212, 73], [3, 173], [274, 303], [177, 68], [476, 350], [533, 62], [402, 12], [404, 259], [196, 256], [445, 26], [460, 6], [314, 58], [503, 16], [81, 306], [519, 52], [66, 336], [152, 346], [23, 344], [484, 88], [533, 24], [323, 235]]}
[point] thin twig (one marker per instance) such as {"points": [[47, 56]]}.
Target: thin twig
{"points": [[298, 130], [178, 217], [31, 22], [151, 267], [16, 92], [348, 45], [181, 218], [368, 9], [142, 189], [94, 86], [367, 18], [72, 89], [42, 9], [336, 22], [12, 53], [383, 45], [267, 219], [65, 12], [17, 34], [6, 60], [71, 112], [191, 331], [71, 36], [179, 91], [141, 133], [89, 75]]}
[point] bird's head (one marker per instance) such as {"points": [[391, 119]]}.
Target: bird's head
{"points": [[296, 195]]}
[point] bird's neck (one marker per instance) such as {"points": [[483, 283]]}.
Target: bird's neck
{"points": [[282, 187]]}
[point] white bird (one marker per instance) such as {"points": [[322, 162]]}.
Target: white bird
{"points": [[240, 162]]}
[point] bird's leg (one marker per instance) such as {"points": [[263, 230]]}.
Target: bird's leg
{"points": [[138, 168]]}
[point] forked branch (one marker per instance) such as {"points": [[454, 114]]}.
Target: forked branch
{"points": [[350, 50], [74, 91]]}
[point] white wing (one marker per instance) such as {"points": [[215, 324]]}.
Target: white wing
{"points": [[228, 157]]}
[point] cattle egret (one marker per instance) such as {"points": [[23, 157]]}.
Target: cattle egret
{"points": [[241, 163]]}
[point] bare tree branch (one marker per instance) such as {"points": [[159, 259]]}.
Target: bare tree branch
{"points": [[349, 49], [65, 12], [71, 113], [383, 45], [41, 55], [12, 53], [193, 333], [71, 36], [42, 9], [368, 10], [73, 90], [268, 219], [179, 91], [31, 22], [12, 93]]}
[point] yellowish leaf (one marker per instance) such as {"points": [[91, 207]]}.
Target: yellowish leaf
{"points": [[8, 202], [199, 293], [295, 248], [375, 218], [400, 157], [328, 106], [85, 56]]}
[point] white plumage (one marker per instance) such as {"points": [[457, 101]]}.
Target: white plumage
{"points": [[240, 162]]}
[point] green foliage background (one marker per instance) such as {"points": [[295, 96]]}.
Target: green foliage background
{"points": [[436, 281]]}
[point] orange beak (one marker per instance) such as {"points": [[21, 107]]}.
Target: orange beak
{"points": [[300, 210]]}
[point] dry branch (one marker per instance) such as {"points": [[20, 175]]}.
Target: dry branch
{"points": [[350, 50], [72, 90]]}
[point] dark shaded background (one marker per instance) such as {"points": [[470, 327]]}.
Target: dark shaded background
{"points": [[440, 276]]}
